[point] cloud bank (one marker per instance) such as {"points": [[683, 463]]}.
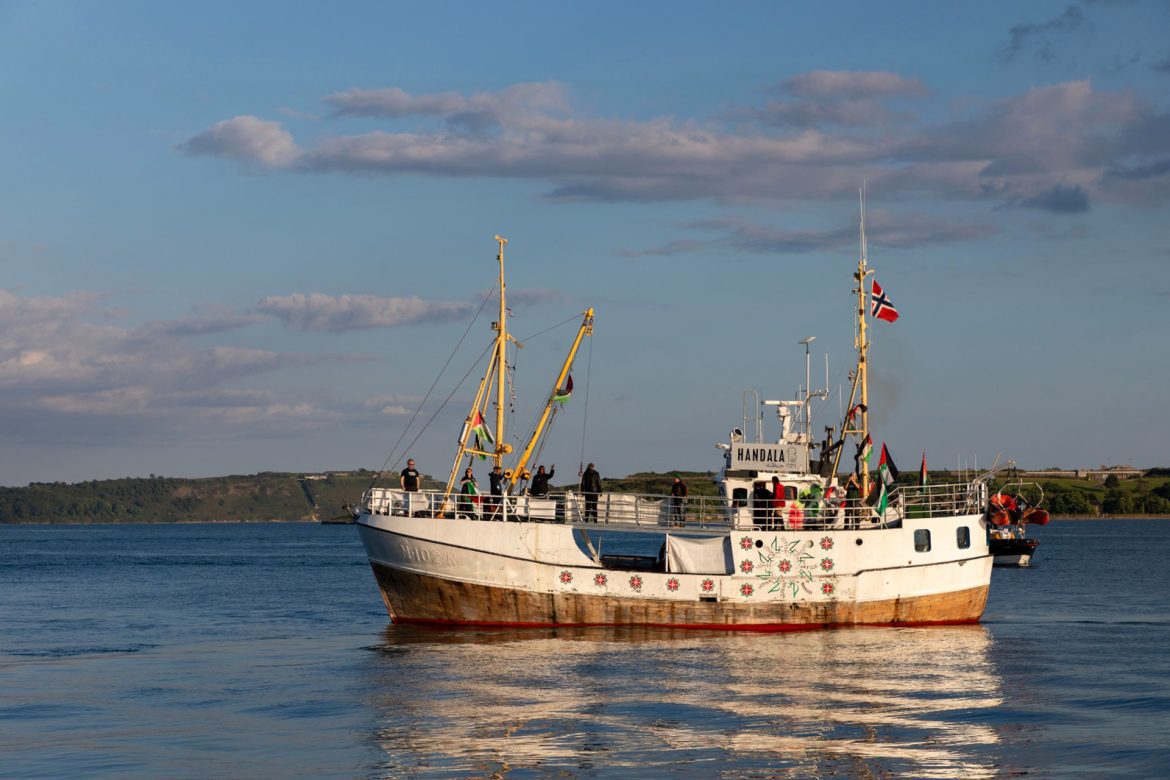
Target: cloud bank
{"points": [[813, 136]]}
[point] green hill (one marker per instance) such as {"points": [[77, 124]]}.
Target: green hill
{"points": [[272, 496]]}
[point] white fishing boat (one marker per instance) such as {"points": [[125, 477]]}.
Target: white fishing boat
{"points": [[907, 556]]}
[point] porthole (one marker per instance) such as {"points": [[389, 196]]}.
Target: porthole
{"points": [[963, 537]]}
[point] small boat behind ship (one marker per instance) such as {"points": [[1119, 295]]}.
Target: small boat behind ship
{"points": [[1009, 511], [783, 546]]}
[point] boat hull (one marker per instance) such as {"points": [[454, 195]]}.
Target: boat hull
{"points": [[1014, 552], [465, 572], [411, 597]]}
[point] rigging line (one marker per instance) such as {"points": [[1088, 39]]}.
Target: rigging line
{"points": [[422, 403], [574, 318], [450, 395]]}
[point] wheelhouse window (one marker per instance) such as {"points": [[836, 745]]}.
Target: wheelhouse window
{"points": [[963, 537], [922, 540]]}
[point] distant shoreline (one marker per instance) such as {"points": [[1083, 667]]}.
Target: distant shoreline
{"points": [[1059, 518], [1112, 517]]}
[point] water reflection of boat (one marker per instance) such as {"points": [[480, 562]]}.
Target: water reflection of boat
{"points": [[810, 704], [909, 556]]}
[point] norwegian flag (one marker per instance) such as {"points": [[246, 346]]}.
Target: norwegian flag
{"points": [[881, 306]]}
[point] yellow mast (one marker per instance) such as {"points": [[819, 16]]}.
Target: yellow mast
{"points": [[863, 345], [861, 378], [497, 369], [501, 359], [520, 472]]}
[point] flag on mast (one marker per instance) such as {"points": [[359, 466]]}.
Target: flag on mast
{"points": [[880, 306], [479, 427], [886, 468], [562, 395], [865, 449], [853, 412], [922, 472]]}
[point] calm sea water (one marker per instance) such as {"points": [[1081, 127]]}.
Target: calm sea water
{"points": [[264, 651]]}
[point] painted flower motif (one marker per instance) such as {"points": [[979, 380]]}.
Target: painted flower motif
{"points": [[784, 566], [636, 582], [745, 543], [827, 564], [826, 543], [746, 567], [828, 588], [746, 589], [600, 579], [708, 585], [672, 584], [566, 577]]}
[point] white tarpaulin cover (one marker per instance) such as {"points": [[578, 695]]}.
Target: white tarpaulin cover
{"points": [[699, 556]]}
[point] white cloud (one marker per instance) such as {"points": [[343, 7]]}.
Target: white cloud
{"points": [[851, 84], [336, 313], [247, 139], [66, 373], [833, 129], [911, 230]]}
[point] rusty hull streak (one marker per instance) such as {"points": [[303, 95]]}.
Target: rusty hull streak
{"points": [[418, 598]]}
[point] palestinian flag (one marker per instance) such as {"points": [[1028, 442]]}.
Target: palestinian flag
{"points": [[880, 305], [922, 472], [562, 395], [853, 413], [480, 429], [865, 449], [879, 497], [886, 468]]}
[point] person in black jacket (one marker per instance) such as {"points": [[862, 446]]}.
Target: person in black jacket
{"points": [[497, 489], [591, 488], [678, 500], [761, 504], [540, 480]]}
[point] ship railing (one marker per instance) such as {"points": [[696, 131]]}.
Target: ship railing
{"points": [[691, 512], [942, 499], [566, 507]]}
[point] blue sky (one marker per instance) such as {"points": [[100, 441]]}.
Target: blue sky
{"points": [[239, 237]]}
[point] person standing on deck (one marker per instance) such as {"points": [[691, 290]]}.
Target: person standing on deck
{"points": [[497, 489], [468, 489], [409, 477], [678, 500], [852, 499], [761, 504], [591, 488], [540, 480], [777, 518]]}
